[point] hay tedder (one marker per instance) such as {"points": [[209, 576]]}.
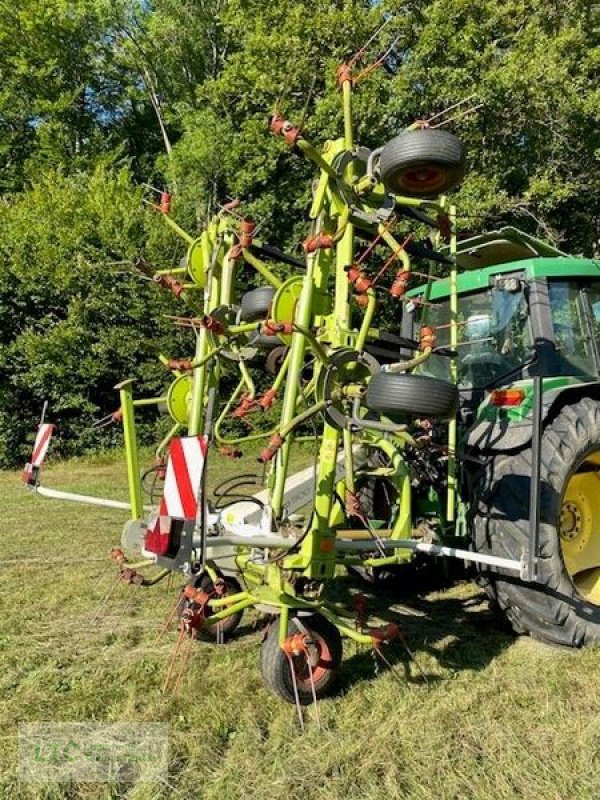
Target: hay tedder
{"points": [[456, 418]]}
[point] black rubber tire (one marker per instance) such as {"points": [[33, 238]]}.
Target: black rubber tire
{"points": [[422, 163], [377, 498], [256, 304], [264, 342], [552, 610], [275, 359], [392, 393], [229, 624], [275, 666]]}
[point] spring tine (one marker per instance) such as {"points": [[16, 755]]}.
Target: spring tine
{"points": [[451, 108], [314, 692], [152, 188], [362, 50], [108, 572], [296, 695], [102, 422], [172, 659], [377, 63], [258, 226], [106, 598], [307, 103], [412, 657], [132, 597], [460, 115], [185, 657], [174, 610], [390, 666]]}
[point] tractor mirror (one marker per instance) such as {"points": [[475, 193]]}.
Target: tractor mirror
{"points": [[508, 284]]}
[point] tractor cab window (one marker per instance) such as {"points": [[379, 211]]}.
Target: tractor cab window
{"points": [[575, 309], [494, 335]]}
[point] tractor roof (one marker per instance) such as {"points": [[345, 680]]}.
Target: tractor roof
{"points": [[508, 250]]}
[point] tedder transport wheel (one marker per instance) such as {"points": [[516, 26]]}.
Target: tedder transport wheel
{"points": [[392, 393], [255, 304], [324, 649], [422, 163], [564, 608], [226, 627]]}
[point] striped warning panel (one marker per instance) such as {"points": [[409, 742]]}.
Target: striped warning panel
{"points": [[40, 448], [183, 476], [185, 466]]}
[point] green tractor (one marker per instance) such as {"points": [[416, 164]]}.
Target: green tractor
{"points": [[528, 375]]}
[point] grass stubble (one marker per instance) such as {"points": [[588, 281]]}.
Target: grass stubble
{"points": [[499, 717]]}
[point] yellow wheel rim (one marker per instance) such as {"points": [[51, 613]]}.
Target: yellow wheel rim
{"points": [[179, 398], [283, 307], [579, 528]]}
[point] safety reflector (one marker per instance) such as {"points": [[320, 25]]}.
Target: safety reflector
{"points": [[185, 466], [507, 397], [40, 448]]}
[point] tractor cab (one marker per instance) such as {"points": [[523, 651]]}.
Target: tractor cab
{"points": [[537, 313]]}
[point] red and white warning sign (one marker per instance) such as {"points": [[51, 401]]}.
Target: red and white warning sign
{"points": [[185, 467], [40, 448]]}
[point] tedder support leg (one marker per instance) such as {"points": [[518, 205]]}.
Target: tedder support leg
{"points": [[131, 452], [534, 491], [452, 425]]}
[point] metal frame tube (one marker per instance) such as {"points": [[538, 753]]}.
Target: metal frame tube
{"points": [[534, 490], [354, 546], [88, 499], [131, 451]]}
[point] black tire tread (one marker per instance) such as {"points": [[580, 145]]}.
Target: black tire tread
{"points": [[420, 147], [256, 303], [392, 393], [229, 624], [551, 611], [274, 664]]}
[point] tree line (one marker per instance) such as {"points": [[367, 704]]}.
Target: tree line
{"points": [[100, 99]]}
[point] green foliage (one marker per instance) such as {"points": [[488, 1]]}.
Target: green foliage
{"points": [[73, 323], [534, 144], [181, 92]]}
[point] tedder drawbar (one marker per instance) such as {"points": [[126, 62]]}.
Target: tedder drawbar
{"points": [[471, 430]]}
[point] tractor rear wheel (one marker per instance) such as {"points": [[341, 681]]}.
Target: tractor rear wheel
{"points": [[564, 607], [323, 656]]}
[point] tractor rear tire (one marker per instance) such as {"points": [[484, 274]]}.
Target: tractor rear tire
{"points": [[422, 163], [392, 393], [563, 608], [275, 665]]}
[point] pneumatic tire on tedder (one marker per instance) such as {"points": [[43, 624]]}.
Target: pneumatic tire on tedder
{"points": [[564, 607], [392, 393], [225, 628], [422, 163], [256, 304], [325, 653]]}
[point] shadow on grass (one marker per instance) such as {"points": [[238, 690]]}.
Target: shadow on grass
{"points": [[459, 633]]}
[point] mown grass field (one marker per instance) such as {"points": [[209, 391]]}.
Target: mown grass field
{"points": [[499, 717]]}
